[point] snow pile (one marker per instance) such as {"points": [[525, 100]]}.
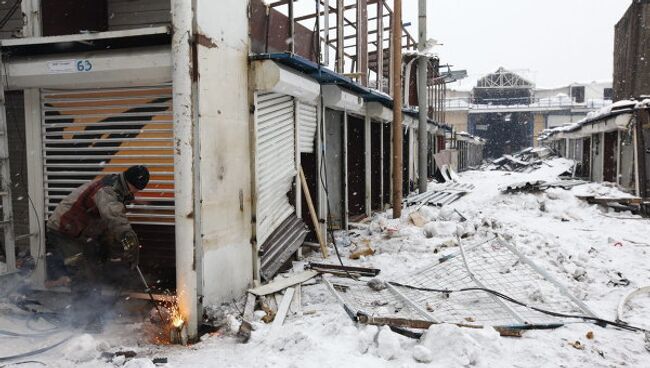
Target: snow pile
{"points": [[455, 346], [139, 363], [81, 349]]}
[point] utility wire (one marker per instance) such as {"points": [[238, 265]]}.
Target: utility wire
{"points": [[323, 170]]}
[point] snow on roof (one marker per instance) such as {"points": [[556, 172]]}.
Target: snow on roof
{"points": [[617, 107]]}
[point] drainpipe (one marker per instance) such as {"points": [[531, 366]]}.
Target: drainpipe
{"points": [[422, 101], [184, 164]]}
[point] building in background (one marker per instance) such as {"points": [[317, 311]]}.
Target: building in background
{"points": [[510, 112]]}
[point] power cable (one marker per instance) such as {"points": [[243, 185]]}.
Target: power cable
{"points": [[323, 170], [35, 352]]}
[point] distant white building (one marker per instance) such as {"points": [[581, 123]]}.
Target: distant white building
{"points": [[511, 112]]}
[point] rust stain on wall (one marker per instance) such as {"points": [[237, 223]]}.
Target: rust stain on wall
{"points": [[205, 41]]}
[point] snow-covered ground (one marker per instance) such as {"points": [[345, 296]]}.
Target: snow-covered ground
{"points": [[585, 247]]}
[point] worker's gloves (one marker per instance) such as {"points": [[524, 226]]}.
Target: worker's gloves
{"points": [[131, 247]]}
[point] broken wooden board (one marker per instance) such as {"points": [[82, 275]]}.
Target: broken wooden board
{"points": [[423, 325], [245, 328], [296, 304], [283, 309], [249, 308], [281, 283], [606, 200], [338, 269], [417, 219], [362, 251]]}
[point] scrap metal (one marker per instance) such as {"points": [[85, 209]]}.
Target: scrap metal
{"points": [[493, 265], [442, 195], [525, 160]]}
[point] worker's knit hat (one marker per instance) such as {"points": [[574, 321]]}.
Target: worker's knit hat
{"points": [[138, 176]]}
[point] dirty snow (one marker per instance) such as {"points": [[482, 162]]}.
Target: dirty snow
{"points": [[599, 255]]}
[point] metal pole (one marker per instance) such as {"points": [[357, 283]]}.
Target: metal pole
{"points": [[340, 62], [422, 101], [362, 41], [380, 45], [292, 24], [396, 79], [326, 31]]}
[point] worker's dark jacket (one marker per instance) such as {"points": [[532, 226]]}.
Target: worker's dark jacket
{"points": [[93, 209]]}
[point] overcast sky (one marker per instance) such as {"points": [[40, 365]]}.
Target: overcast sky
{"points": [[551, 42]]}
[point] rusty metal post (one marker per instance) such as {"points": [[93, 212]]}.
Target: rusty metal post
{"points": [[326, 27], [292, 28], [396, 79], [340, 46], [362, 41], [390, 55], [380, 45]]}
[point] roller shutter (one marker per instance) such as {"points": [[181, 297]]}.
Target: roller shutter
{"points": [[307, 123], [94, 132], [275, 165]]}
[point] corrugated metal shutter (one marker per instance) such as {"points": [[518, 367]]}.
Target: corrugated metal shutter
{"points": [[307, 123], [12, 15], [131, 14], [275, 164], [281, 245], [91, 133]]}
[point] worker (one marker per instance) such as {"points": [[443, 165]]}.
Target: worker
{"points": [[89, 237]]}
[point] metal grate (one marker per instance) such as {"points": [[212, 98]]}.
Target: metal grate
{"points": [[494, 265], [95, 132]]}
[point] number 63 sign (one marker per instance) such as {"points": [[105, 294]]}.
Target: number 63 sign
{"points": [[69, 66], [84, 65]]}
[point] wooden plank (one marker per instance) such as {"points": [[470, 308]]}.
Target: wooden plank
{"points": [[423, 325], [296, 303], [281, 283], [312, 213], [283, 309], [417, 219], [249, 308]]}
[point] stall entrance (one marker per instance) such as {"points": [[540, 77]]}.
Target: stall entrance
{"points": [[333, 170], [586, 157], [406, 149], [610, 156], [90, 133], [356, 160], [376, 165], [387, 163]]}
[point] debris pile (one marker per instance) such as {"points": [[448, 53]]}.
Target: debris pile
{"points": [[441, 195], [485, 284], [535, 186], [632, 204], [526, 160]]}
